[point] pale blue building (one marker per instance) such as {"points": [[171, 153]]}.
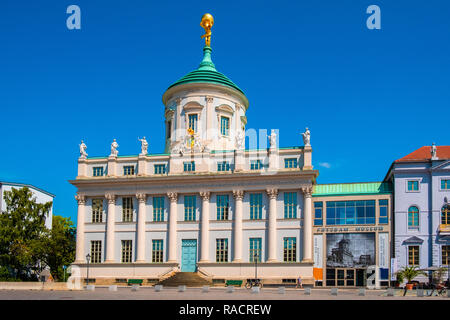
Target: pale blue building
{"points": [[421, 224]]}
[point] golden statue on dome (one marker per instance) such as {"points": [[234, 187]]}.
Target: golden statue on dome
{"points": [[207, 23]]}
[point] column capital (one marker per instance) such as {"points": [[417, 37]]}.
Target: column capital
{"points": [[81, 198], [238, 194], [205, 195], [178, 101], [111, 198], [173, 196], [272, 193], [142, 197], [307, 191], [209, 99]]}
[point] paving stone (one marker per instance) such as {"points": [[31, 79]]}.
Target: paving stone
{"points": [[135, 287], [255, 289]]}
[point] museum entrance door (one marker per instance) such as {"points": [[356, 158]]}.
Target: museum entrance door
{"points": [[341, 277]]}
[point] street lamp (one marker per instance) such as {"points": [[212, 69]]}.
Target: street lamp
{"points": [[256, 267], [88, 259]]}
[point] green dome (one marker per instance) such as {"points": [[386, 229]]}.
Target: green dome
{"points": [[207, 73]]}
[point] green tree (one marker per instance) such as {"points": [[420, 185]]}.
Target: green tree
{"points": [[22, 233], [59, 249]]}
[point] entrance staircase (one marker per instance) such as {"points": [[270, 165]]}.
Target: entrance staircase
{"points": [[189, 279]]}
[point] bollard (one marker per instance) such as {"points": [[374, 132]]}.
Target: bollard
{"points": [[182, 288], [112, 288], [390, 292], [281, 290], [334, 291], [135, 287], [205, 289], [448, 292], [230, 289], [158, 288], [419, 292], [255, 289], [90, 287], [362, 292], [308, 291]]}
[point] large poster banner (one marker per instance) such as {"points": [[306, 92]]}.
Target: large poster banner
{"points": [[350, 250], [318, 251], [383, 250]]}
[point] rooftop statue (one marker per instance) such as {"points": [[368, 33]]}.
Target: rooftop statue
{"points": [[207, 23], [114, 146], [240, 139], [144, 146], [273, 139], [433, 151], [83, 148], [306, 137]]}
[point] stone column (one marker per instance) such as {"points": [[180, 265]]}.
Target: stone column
{"points": [[172, 245], [204, 253], [307, 225], [110, 228], [272, 193], [238, 196], [142, 197], [79, 257]]}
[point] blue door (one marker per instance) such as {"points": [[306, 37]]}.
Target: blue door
{"points": [[189, 255]]}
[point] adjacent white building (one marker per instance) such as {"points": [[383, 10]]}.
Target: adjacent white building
{"points": [[42, 196], [207, 204]]}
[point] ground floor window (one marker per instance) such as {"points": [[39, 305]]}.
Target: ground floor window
{"points": [[255, 249], [290, 250], [445, 255], [96, 251], [221, 250], [127, 251], [157, 251], [413, 255]]}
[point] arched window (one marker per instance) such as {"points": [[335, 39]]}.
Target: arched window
{"points": [[413, 217], [445, 214]]}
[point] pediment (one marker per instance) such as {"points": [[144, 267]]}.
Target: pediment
{"points": [[443, 166], [225, 108], [192, 106], [413, 240]]}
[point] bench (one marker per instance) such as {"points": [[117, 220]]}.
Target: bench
{"points": [[236, 283], [135, 281]]}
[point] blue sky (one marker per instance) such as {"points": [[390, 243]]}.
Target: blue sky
{"points": [[368, 96]]}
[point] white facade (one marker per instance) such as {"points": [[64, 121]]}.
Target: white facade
{"points": [[41, 197], [207, 104]]}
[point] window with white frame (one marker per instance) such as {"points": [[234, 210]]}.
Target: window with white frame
{"points": [[127, 209], [221, 250], [157, 251], [127, 251], [128, 170], [97, 210], [413, 185], [96, 251]]}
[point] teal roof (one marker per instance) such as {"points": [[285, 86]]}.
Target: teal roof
{"points": [[352, 188], [207, 73]]}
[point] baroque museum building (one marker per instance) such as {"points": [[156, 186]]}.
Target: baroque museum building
{"points": [[212, 207]]}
